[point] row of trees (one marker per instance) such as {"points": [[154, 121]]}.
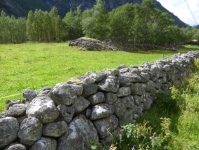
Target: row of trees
{"points": [[137, 24], [143, 24]]}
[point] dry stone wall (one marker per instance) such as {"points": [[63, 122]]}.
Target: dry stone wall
{"points": [[92, 107]]}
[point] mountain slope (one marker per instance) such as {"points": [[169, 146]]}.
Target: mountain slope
{"points": [[20, 8]]}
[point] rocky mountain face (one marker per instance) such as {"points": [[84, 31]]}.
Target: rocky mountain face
{"points": [[20, 8]]}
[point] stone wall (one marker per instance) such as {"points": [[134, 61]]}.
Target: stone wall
{"points": [[92, 107]]}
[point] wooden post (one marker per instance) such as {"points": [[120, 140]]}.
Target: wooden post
{"points": [[163, 55]]}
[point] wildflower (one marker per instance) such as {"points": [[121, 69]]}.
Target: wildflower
{"points": [[162, 111], [133, 147], [151, 138], [165, 147], [193, 122], [155, 143]]}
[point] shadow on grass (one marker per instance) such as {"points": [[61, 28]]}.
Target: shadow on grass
{"points": [[185, 50], [164, 107]]}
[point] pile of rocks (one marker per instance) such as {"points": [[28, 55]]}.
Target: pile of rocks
{"points": [[91, 108], [96, 45]]}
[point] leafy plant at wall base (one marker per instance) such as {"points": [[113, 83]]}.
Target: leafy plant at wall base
{"points": [[140, 137]]}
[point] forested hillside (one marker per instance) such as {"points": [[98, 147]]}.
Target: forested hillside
{"points": [[20, 8], [129, 23]]}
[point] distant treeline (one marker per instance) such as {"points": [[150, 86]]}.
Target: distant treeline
{"points": [[133, 23]]}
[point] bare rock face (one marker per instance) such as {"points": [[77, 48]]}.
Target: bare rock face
{"points": [[9, 127], [110, 84], [29, 94], [122, 67], [138, 88], [101, 111], [123, 91], [105, 126], [96, 98], [30, 131], [125, 109], [89, 89], [81, 104], [66, 113], [120, 107], [15, 146], [98, 76], [63, 94], [13, 103], [43, 108], [44, 144], [55, 129], [128, 101], [80, 131], [111, 72], [147, 100], [110, 98], [78, 89]]}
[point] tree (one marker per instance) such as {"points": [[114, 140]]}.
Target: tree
{"points": [[95, 26], [54, 18], [47, 27], [120, 21], [29, 26]]}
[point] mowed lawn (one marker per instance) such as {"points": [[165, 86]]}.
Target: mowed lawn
{"points": [[36, 65]]}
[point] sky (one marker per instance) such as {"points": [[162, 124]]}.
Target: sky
{"points": [[180, 9]]}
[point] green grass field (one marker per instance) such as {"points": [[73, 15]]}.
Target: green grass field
{"points": [[34, 66]]}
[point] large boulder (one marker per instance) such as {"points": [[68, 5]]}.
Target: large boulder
{"points": [[55, 129], [43, 108], [110, 84], [101, 111], [44, 144], [63, 94], [80, 132], [106, 126], [30, 131], [9, 127]]}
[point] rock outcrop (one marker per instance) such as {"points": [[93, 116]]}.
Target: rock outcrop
{"points": [[97, 45]]}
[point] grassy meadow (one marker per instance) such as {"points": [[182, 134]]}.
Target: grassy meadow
{"points": [[36, 65], [171, 123]]}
